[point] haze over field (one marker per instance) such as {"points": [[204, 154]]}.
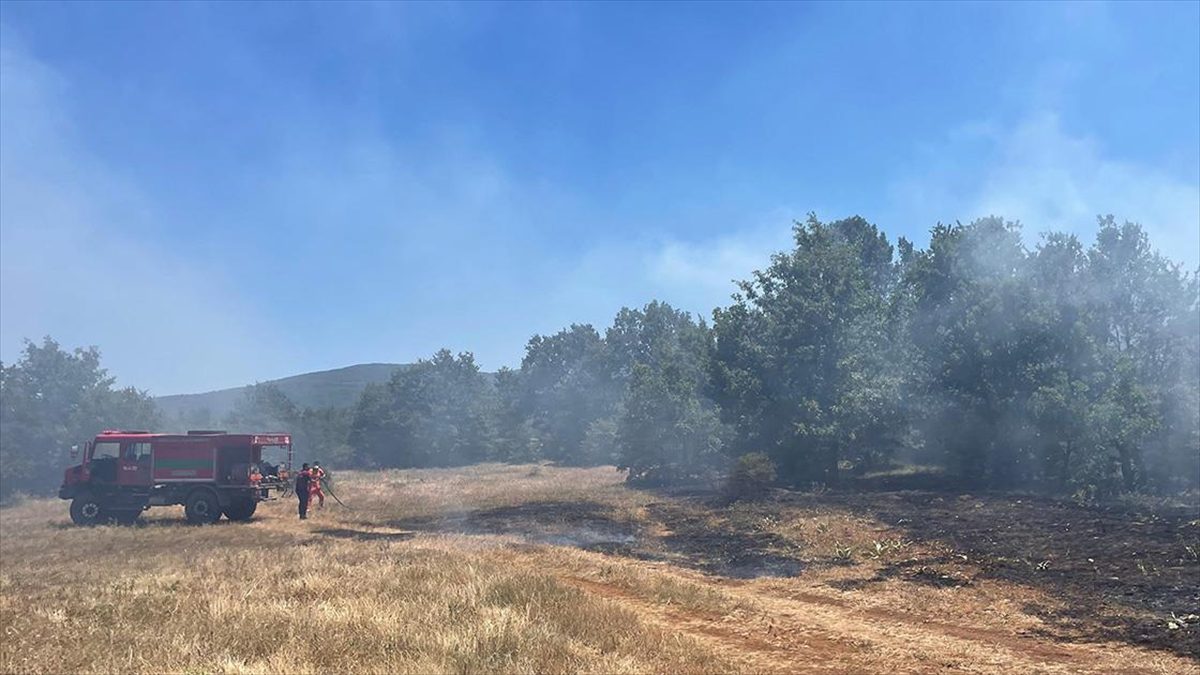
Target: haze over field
{"points": [[218, 195], [628, 337]]}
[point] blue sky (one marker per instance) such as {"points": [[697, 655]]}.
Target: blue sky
{"points": [[221, 193]]}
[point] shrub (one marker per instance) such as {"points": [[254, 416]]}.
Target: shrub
{"points": [[752, 475]]}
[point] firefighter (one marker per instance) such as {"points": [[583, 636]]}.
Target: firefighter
{"points": [[318, 474], [303, 485]]}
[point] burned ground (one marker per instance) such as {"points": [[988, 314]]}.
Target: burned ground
{"points": [[1120, 573], [688, 535], [581, 524]]}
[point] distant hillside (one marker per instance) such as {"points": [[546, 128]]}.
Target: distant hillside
{"points": [[338, 387]]}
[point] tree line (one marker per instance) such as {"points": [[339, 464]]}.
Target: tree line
{"points": [[1063, 367]]}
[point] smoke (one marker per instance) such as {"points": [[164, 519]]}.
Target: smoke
{"points": [[326, 234], [699, 275], [1040, 174], [346, 242], [79, 258]]}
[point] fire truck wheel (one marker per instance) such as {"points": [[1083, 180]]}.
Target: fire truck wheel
{"points": [[241, 509], [87, 510], [202, 507]]}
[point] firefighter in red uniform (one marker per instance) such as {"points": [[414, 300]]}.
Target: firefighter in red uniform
{"points": [[315, 491]]}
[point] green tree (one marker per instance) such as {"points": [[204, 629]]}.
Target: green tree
{"points": [[439, 412], [325, 436], [800, 363], [51, 399], [656, 335], [567, 386], [666, 428], [263, 407], [971, 332], [667, 433], [317, 433], [601, 444], [1146, 323], [516, 439], [1063, 374]]}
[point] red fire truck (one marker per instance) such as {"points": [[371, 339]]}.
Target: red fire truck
{"points": [[209, 472]]}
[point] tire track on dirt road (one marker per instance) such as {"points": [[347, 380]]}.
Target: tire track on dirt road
{"points": [[793, 652], [810, 633]]}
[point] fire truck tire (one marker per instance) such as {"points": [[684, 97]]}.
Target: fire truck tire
{"points": [[241, 509], [86, 509], [202, 507]]}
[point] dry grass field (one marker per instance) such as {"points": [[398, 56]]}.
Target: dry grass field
{"points": [[523, 569]]}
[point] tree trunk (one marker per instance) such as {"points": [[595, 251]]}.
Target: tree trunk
{"points": [[1131, 473]]}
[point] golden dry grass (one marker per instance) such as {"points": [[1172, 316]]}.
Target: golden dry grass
{"points": [[482, 570]]}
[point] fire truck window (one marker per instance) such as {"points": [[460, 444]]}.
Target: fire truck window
{"points": [[106, 450], [138, 452]]}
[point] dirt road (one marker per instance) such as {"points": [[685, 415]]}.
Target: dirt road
{"points": [[813, 633]]}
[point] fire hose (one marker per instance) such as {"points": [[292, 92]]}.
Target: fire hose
{"points": [[325, 484]]}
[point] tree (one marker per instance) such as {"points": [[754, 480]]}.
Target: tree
{"points": [[1063, 374], [971, 331], [666, 433], [1072, 369], [1146, 322], [52, 399], [567, 387], [1058, 367], [323, 434], [799, 367], [263, 407], [656, 335], [666, 428], [602, 443], [438, 412], [317, 433], [516, 440]]}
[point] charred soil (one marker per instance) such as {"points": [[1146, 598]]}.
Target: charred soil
{"points": [[1119, 574]]}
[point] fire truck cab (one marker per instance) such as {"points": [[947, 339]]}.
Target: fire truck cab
{"points": [[209, 472]]}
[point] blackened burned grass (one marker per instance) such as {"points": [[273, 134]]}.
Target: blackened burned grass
{"points": [[682, 532], [1120, 573], [701, 535]]}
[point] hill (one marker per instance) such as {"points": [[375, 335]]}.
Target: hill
{"points": [[339, 387]]}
